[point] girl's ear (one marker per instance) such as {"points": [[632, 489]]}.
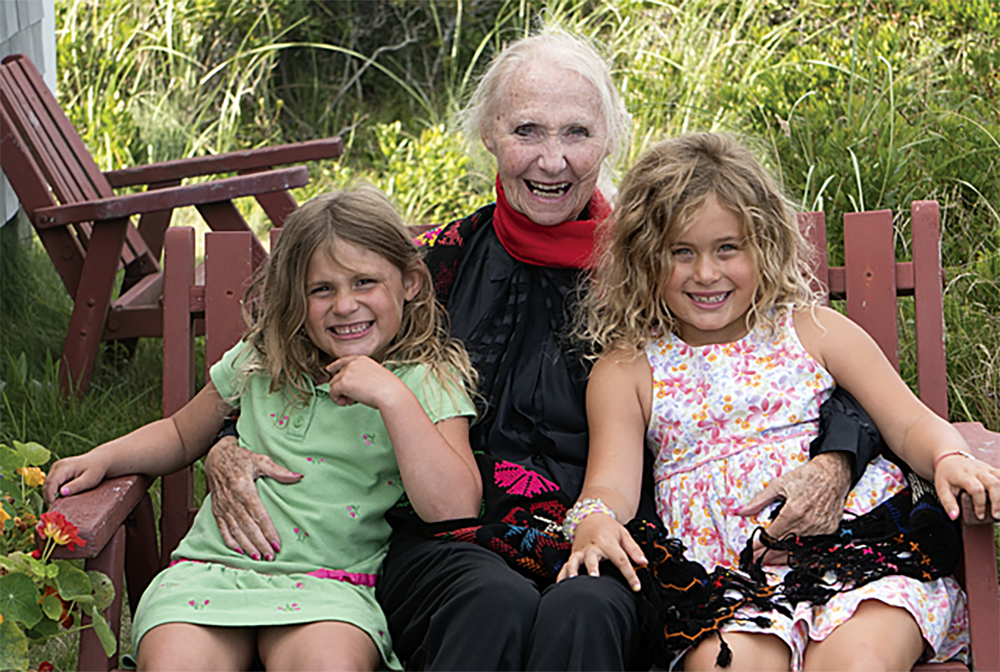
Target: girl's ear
{"points": [[413, 280]]}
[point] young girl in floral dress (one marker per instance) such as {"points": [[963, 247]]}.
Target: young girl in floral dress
{"points": [[348, 377], [715, 354]]}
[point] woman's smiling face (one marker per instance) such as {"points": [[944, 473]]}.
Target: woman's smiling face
{"points": [[549, 138]]}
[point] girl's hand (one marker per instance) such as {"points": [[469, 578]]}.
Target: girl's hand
{"points": [[600, 537], [955, 473], [71, 475], [363, 380]]}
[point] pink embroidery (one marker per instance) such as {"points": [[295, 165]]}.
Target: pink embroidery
{"points": [[519, 481], [353, 578]]}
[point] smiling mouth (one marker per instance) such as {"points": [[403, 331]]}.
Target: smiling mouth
{"points": [[709, 299], [548, 190], [351, 330]]}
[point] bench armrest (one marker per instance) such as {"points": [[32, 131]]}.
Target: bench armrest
{"points": [[226, 189], [230, 162], [98, 513]]}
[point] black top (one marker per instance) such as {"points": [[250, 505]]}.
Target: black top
{"points": [[514, 319]]}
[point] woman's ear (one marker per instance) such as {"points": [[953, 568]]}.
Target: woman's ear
{"points": [[488, 143], [413, 280]]}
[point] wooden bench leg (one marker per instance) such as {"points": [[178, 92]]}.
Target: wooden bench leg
{"points": [[110, 561], [90, 307]]}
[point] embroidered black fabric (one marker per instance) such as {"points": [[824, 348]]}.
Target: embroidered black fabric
{"points": [[514, 319]]}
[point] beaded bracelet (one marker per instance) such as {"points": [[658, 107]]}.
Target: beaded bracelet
{"points": [[954, 452], [581, 510]]}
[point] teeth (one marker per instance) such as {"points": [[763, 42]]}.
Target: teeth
{"points": [[715, 298], [351, 329], [548, 189]]}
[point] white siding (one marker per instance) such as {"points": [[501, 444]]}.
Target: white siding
{"points": [[27, 27]]}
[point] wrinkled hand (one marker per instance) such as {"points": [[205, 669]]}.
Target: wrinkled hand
{"points": [[600, 537], [813, 495], [956, 473], [243, 521]]}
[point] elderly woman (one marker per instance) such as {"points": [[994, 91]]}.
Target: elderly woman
{"points": [[548, 111]]}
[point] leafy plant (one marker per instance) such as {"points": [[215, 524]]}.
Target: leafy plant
{"points": [[41, 598]]}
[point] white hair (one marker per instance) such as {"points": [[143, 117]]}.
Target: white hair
{"points": [[570, 52]]}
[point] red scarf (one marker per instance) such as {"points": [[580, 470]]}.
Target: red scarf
{"points": [[566, 245]]}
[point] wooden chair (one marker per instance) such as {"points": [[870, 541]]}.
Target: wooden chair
{"points": [[873, 283], [871, 280], [86, 229]]}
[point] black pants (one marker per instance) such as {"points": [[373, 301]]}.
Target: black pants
{"points": [[457, 606]]}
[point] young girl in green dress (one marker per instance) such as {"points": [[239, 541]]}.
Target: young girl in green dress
{"points": [[347, 377]]}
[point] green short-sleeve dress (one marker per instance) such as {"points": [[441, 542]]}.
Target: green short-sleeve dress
{"points": [[332, 522]]}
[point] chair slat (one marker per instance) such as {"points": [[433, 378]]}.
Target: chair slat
{"points": [[929, 305], [870, 277]]}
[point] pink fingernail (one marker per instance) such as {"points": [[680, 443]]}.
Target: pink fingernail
{"points": [[64, 492], [268, 557], [277, 549], [255, 556], [239, 550]]}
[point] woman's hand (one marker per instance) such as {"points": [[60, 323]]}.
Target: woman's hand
{"points": [[955, 473], [71, 475], [600, 537], [243, 521], [814, 496]]}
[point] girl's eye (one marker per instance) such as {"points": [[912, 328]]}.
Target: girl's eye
{"points": [[680, 251], [365, 281], [319, 289], [729, 248]]}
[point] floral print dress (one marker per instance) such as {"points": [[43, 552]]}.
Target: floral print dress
{"points": [[727, 419]]}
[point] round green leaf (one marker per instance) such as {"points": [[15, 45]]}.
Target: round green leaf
{"points": [[52, 606], [14, 652], [19, 599], [33, 453], [104, 589], [72, 582], [46, 628], [104, 634]]}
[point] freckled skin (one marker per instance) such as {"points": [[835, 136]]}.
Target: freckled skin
{"points": [[548, 132]]}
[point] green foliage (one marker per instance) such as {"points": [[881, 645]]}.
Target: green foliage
{"points": [[427, 176], [41, 598]]}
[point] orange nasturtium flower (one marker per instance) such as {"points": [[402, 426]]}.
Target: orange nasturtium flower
{"points": [[55, 526], [4, 517], [33, 476]]}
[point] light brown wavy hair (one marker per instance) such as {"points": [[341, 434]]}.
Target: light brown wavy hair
{"points": [[624, 307], [275, 304]]}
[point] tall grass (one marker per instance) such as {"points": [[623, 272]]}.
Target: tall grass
{"points": [[854, 104]]}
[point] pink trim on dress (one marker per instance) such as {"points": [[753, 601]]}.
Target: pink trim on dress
{"points": [[353, 578]]}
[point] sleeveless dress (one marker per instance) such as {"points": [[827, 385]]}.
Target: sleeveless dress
{"points": [[726, 420], [332, 523]]}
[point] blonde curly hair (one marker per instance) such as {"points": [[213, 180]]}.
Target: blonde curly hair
{"points": [[275, 304], [624, 307]]}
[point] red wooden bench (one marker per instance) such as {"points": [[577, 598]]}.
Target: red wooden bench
{"points": [[871, 280], [86, 229]]}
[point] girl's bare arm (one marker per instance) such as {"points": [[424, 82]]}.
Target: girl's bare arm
{"points": [[435, 461], [618, 404], [161, 447], [914, 432]]}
